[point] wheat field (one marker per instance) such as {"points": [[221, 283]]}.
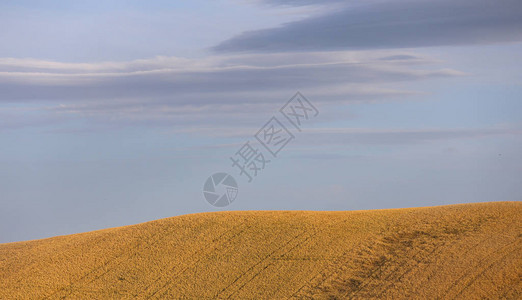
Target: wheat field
{"points": [[467, 251]]}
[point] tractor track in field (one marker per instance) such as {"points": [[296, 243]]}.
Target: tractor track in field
{"points": [[217, 242], [457, 252], [297, 240]]}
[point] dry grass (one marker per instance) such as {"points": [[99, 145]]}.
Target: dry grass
{"points": [[469, 251]]}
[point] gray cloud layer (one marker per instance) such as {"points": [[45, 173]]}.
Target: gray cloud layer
{"points": [[185, 91], [394, 24]]}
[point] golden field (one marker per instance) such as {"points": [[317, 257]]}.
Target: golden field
{"points": [[468, 251]]}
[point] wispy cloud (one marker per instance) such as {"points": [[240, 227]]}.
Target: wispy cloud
{"points": [[205, 91], [367, 136]]}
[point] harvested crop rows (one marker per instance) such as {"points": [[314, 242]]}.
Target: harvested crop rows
{"points": [[448, 252]]}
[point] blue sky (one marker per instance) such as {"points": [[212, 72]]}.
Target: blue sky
{"points": [[115, 113]]}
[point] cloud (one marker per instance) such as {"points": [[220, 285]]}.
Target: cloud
{"points": [[167, 90], [304, 2], [399, 57], [389, 24], [371, 136], [212, 81], [367, 136]]}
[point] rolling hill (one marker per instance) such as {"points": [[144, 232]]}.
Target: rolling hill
{"points": [[467, 251]]}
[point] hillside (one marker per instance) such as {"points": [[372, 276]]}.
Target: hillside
{"points": [[464, 251]]}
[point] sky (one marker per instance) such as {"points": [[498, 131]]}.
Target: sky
{"points": [[116, 112]]}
